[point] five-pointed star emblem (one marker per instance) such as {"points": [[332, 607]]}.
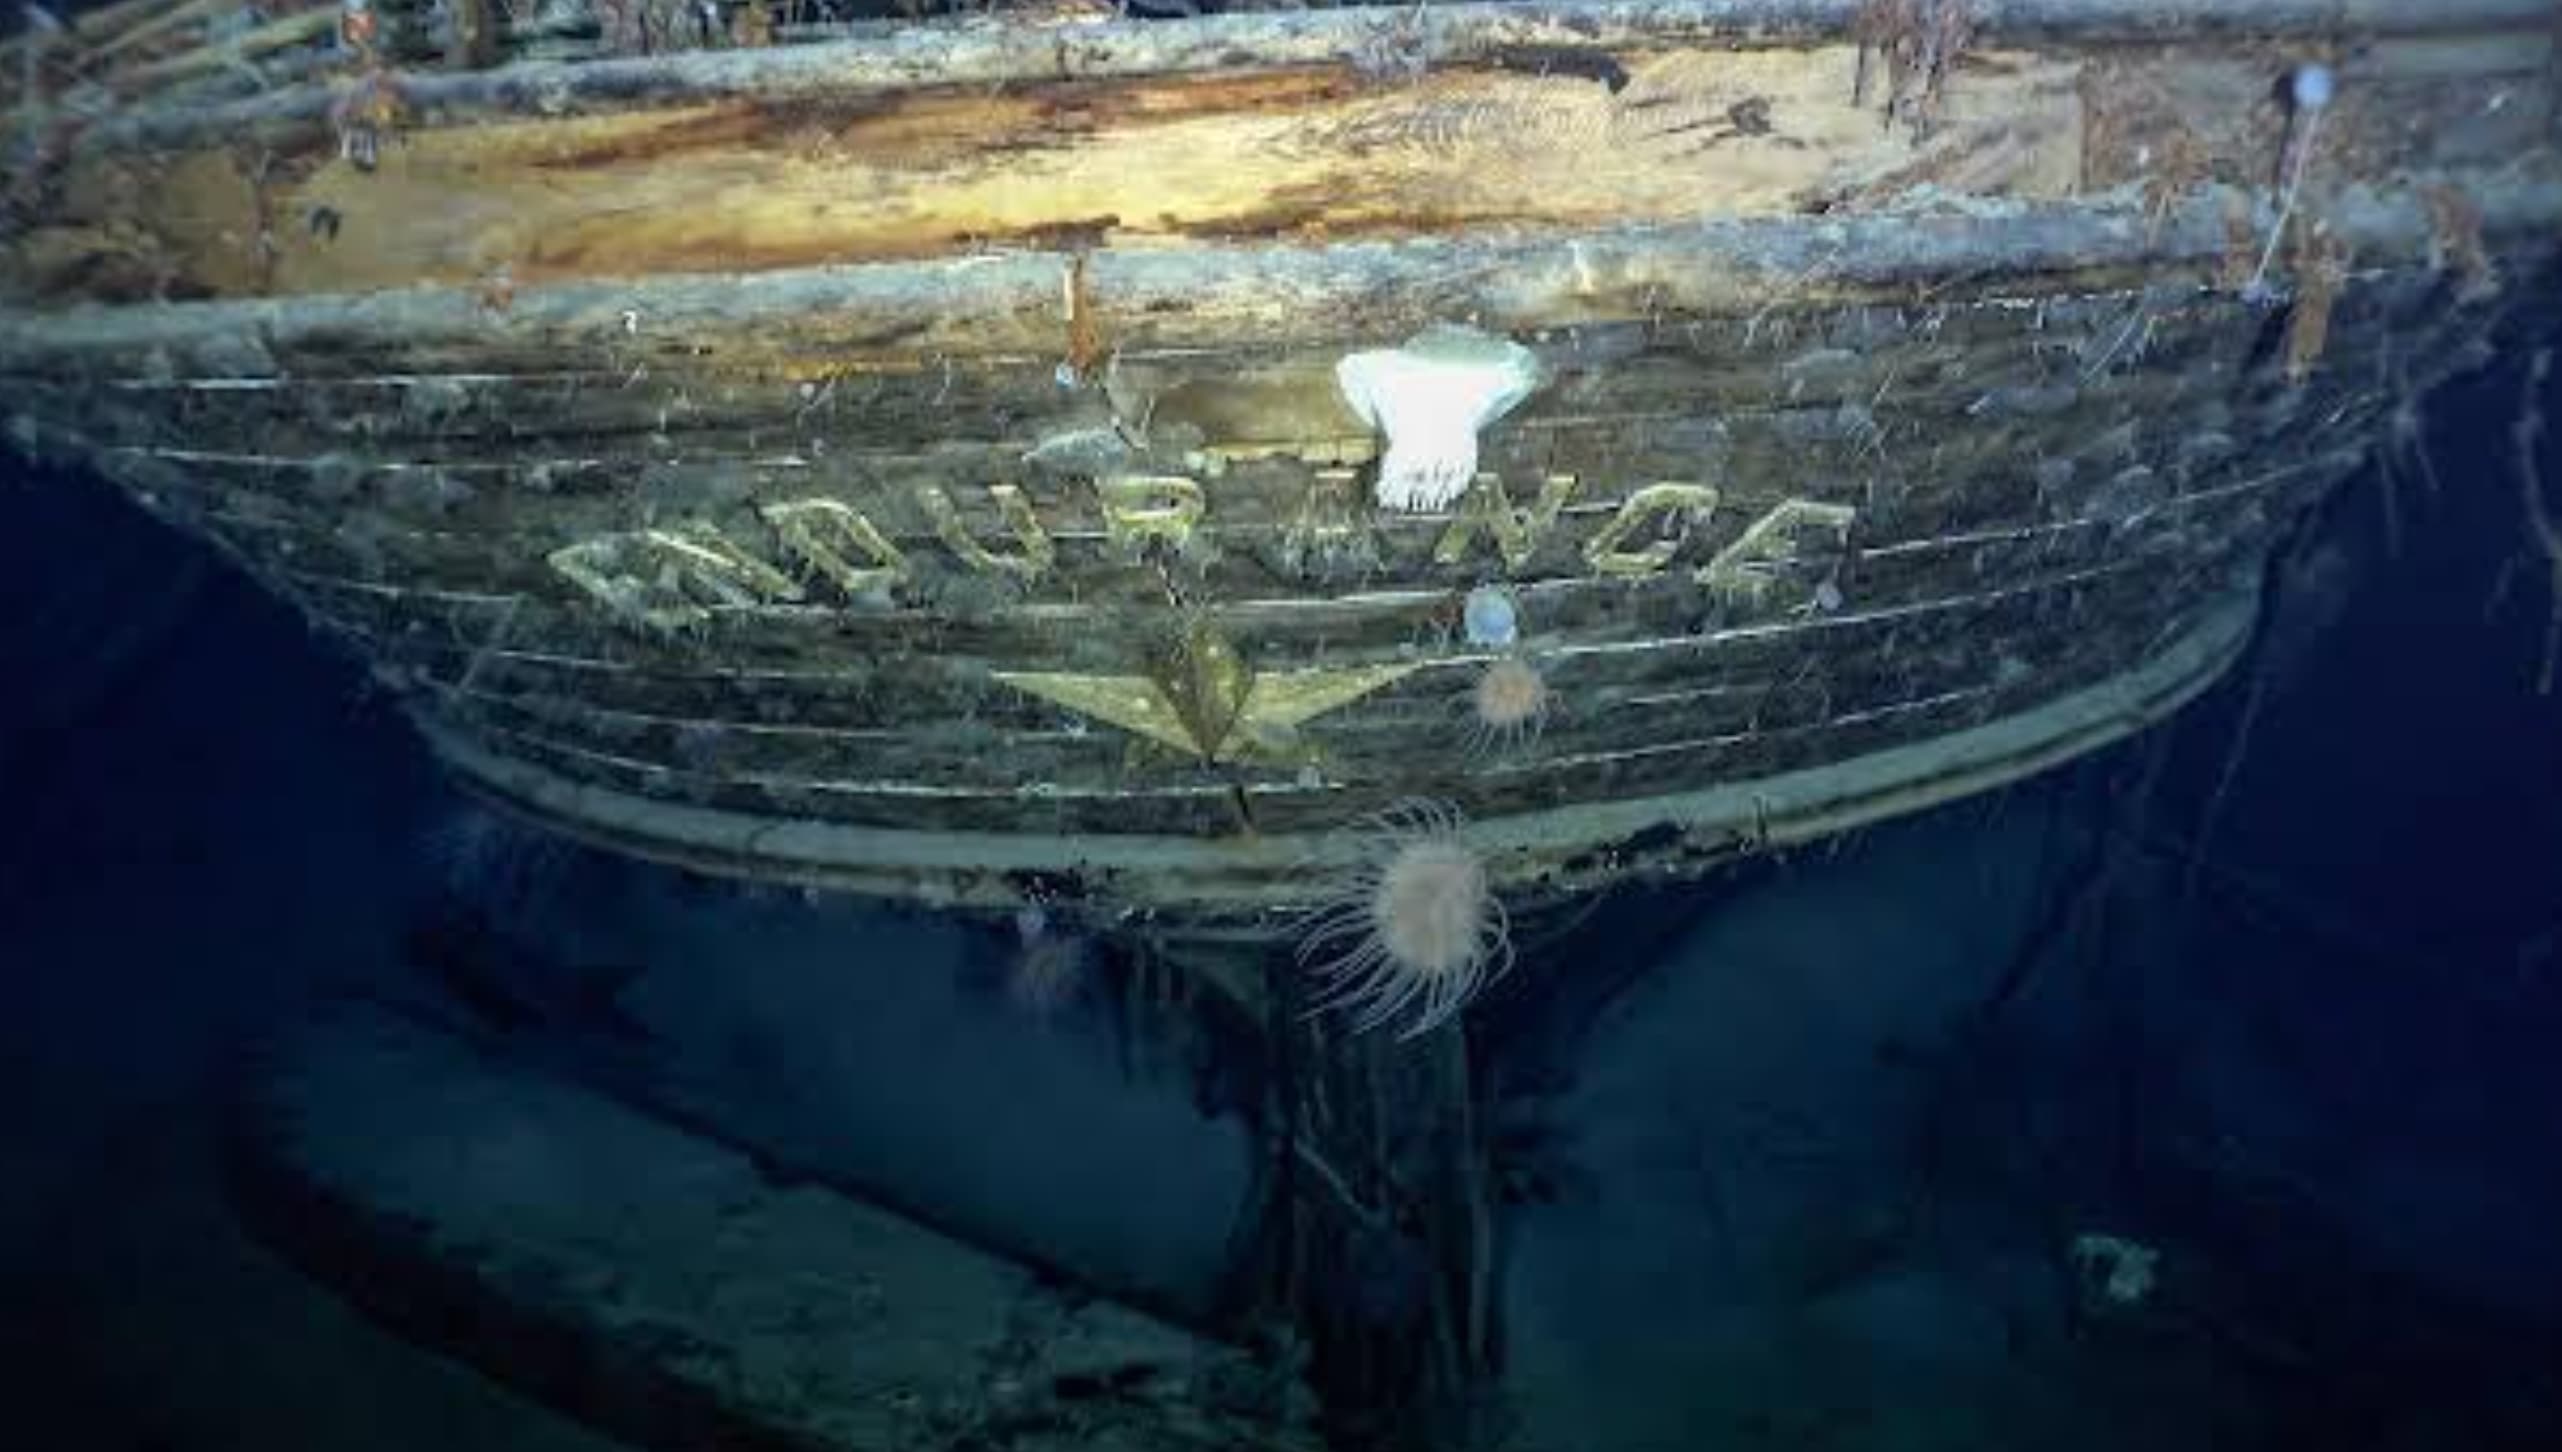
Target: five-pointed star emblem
{"points": [[1201, 698]]}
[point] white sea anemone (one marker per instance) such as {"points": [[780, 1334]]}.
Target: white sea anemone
{"points": [[1414, 931], [1507, 707], [1429, 398]]}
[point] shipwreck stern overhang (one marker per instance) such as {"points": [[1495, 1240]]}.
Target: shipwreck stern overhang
{"points": [[944, 463]]}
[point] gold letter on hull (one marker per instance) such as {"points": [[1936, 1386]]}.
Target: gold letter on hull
{"points": [[819, 531], [668, 578]]}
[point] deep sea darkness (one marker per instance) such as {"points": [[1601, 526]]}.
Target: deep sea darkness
{"points": [[1815, 1155]]}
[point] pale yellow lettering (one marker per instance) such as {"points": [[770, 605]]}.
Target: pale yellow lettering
{"points": [[1030, 563], [1138, 508], [1664, 514], [1775, 546], [671, 577], [820, 532], [1516, 533]]}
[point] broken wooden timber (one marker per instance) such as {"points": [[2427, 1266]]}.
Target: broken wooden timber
{"points": [[1459, 34]]}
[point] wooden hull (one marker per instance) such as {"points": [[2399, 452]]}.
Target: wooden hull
{"points": [[923, 467]]}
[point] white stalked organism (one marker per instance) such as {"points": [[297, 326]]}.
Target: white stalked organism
{"points": [[1429, 398], [1414, 931], [2309, 89]]}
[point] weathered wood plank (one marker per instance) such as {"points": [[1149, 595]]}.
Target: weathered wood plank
{"points": [[1625, 717], [1011, 307], [755, 183], [1644, 394], [1258, 884], [1390, 39], [1201, 801]]}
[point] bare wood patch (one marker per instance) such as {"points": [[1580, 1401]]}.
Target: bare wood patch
{"points": [[1319, 152]]}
